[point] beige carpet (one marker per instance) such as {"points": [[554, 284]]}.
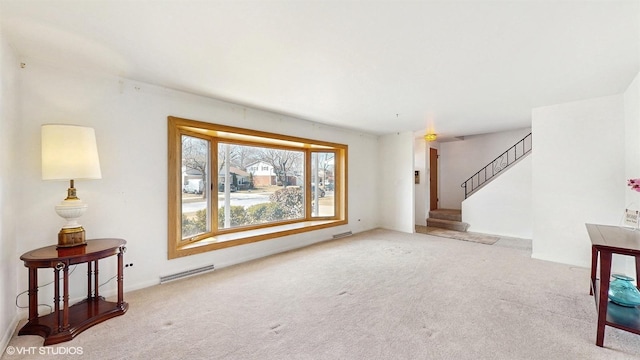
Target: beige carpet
{"points": [[458, 235], [375, 295]]}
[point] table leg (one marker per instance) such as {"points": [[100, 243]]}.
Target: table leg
{"points": [[89, 273], [637, 272], [33, 294], [95, 279], [605, 275], [120, 279], [56, 299], [65, 297], [594, 265]]}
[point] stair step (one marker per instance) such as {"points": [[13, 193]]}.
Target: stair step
{"points": [[448, 224], [446, 214]]}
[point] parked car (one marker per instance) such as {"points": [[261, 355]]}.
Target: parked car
{"points": [[193, 186], [232, 189]]}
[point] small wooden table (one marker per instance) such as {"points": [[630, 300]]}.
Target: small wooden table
{"points": [[64, 324], [608, 240]]}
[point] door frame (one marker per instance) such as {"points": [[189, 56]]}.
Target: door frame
{"points": [[433, 178]]}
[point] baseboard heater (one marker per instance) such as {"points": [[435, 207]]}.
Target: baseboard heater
{"points": [[183, 274], [341, 235]]}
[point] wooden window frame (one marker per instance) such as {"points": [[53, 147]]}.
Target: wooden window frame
{"points": [[223, 238]]}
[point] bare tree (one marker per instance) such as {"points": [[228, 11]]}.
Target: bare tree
{"points": [[239, 156], [245, 155], [222, 159], [285, 163], [195, 154], [326, 162]]}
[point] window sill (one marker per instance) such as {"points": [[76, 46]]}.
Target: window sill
{"points": [[250, 236]]}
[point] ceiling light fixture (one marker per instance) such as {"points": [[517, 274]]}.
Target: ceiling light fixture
{"points": [[430, 137]]}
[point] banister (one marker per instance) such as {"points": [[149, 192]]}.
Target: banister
{"points": [[504, 160]]}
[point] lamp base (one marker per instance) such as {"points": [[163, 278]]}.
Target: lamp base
{"points": [[70, 237]]}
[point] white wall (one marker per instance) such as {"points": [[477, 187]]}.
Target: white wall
{"points": [[461, 159], [625, 264], [395, 166], [421, 190], [130, 201], [422, 163], [503, 206], [578, 175], [8, 131], [632, 142]]}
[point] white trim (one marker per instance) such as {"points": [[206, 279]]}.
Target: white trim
{"points": [[8, 333]]}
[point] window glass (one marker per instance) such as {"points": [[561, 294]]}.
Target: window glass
{"points": [[250, 197], [322, 184], [195, 194], [231, 186]]}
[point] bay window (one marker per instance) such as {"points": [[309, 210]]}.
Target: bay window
{"points": [[230, 186]]}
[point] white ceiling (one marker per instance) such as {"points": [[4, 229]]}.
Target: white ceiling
{"points": [[454, 68]]}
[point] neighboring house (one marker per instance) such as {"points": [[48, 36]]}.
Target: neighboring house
{"points": [[192, 181], [241, 179], [264, 175]]}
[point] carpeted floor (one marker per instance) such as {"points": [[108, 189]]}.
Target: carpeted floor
{"points": [[375, 295]]}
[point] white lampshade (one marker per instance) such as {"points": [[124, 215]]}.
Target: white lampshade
{"points": [[69, 152]]}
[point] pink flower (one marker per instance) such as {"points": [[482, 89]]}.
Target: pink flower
{"points": [[634, 184]]}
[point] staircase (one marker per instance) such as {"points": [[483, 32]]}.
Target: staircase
{"points": [[491, 170], [450, 219]]}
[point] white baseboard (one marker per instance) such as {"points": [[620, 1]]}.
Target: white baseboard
{"points": [[9, 331]]}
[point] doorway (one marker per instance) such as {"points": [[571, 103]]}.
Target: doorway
{"points": [[433, 179]]}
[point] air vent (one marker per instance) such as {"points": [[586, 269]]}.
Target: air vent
{"points": [[183, 274], [344, 234]]}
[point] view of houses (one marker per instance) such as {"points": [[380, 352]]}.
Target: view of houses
{"points": [[261, 184]]}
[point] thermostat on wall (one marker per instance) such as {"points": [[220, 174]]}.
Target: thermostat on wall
{"points": [[631, 218]]}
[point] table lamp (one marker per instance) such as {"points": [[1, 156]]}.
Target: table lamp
{"points": [[70, 152]]}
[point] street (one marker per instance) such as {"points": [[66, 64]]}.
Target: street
{"points": [[195, 203], [192, 203]]}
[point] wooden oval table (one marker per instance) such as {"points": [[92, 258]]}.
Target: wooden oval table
{"points": [[63, 324], [607, 240]]}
